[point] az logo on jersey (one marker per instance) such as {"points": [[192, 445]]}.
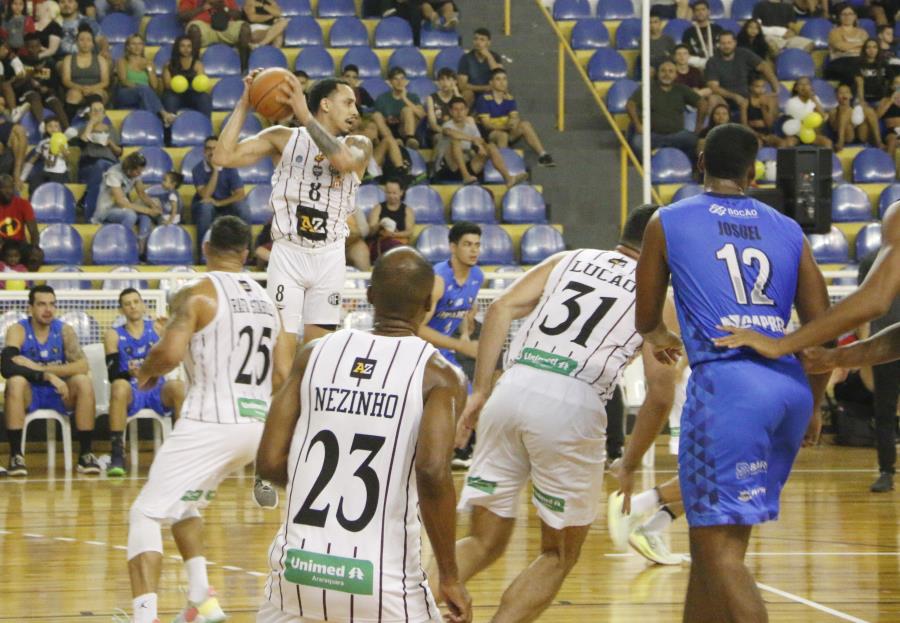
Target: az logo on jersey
{"points": [[615, 261], [363, 368]]}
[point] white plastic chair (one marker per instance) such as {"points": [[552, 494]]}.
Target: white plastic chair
{"points": [[50, 416], [161, 431]]}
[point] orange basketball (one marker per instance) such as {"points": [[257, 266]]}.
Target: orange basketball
{"points": [[264, 93]]}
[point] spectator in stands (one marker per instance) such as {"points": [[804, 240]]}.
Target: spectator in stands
{"points": [[71, 19], [220, 191], [11, 67], [266, 21], [728, 74], [100, 149], [40, 84], [16, 23], [719, 115], [872, 74], [166, 193], [702, 36], [113, 201], [886, 44], [17, 221], [842, 126], [391, 221], [762, 112], [438, 14], [476, 66], [12, 258], [751, 38], [670, 9], [262, 246], [216, 21], [398, 111], [44, 165], [780, 26], [498, 115], [661, 44], [44, 367], [85, 74], [134, 8], [138, 82], [888, 112], [883, 12], [687, 75], [47, 25], [351, 75], [387, 154], [437, 106], [185, 61], [667, 106], [355, 248], [463, 151], [811, 8], [13, 149], [845, 43], [804, 94]]}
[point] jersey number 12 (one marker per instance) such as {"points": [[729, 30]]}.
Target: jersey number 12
{"points": [[749, 257]]}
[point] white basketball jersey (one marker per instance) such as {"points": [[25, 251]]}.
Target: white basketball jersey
{"points": [[311, 200], [583, 326], [229, 362], [349, 549]]}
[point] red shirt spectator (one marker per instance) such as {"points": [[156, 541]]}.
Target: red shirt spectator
{"points": [[16, 214], [205, 16]]}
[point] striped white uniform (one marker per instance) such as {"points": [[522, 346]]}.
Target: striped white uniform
{"points": [[349, 549], [583, 326]]}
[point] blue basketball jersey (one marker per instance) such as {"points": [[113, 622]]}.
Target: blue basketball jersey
{"points": [[50, 352], [131, 348], [734, 262], [456, 300]]}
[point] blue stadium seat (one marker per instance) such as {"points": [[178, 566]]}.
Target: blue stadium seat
{"points": [[514, 163], [348, 32], [117, 27], [825, 93], [765, 154], [411, 60], [433, 242], [837, 169], [523, 204], [426, 203], [393, 32], [190, 128], [160, 7], [417, 165], [375, 86], [53, 203], [159, 162], [686, 191], [421, 86], [618, 94], [571, 9], [189, 161], [868, 240], [615, 9], [496, 246], [670, 166], [729, 24], [221, 60], [303, 31], [258, 173], [628, 34], [121, 284], [607, 64], [872, 165], [163, 29], [817, 29], [252, 125], [368, 196], [675, 28], [170, 244], [743, 9], [830, 248], [292, 8], [162, 56], [117, 50], [70, 284], [258, 202], [365, 59], [114, 244], [435, 38], [889, 195], [869, 26], [793, 63], [473, 203], [61, 244], [540, 242], [267, 56], [142, 127], [227, 93], [86, 327], [336, 8], [716, 9], [589, 34], [448, 57], [316, 62], [850, 203]]}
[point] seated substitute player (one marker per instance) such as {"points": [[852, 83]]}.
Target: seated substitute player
{"points": [[126, 347], [370, 416], [733, 261], [45, 368], [545, 419]]}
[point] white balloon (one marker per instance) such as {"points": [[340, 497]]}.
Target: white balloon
{"points": [[795, 108], [771, 171], [791, 127], [857, 117]]}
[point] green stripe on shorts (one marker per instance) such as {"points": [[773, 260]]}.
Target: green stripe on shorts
{"points": [[481, 484], [555, 504]]}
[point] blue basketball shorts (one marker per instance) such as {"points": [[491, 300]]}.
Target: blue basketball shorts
{"points": [[147, 399], [741, 428], [45, 397]]}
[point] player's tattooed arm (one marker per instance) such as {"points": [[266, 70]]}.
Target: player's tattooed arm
{"points": [[350, 155], [76, 362]]}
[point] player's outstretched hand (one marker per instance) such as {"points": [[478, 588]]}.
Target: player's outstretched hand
{"points": [[458, 602], [818, 360], [763, 344], [248, 80], [813, 430], [291, 94], [469, 418], [626, 483]]}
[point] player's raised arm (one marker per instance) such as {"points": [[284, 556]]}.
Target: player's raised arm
{"points": [[652, 284], [883, 347]]}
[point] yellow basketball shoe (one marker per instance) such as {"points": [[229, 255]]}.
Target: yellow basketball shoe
{"points": [[207, 612]]}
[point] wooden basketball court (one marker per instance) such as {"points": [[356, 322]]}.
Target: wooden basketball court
{"points": [[835, 554]]}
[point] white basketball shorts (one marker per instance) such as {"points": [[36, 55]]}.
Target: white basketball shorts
{"points": [[269, 613]]}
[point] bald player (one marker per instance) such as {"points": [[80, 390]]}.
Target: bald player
{"points": [[362, 436]]}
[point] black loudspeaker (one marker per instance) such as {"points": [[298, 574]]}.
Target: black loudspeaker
{"points": [[804, 178]]}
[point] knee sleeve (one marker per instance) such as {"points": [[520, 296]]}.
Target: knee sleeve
{"points": [[144, 533]]}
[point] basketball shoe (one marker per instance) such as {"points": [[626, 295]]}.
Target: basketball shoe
{"points": [[207, 612], [619, 524], [651, 546], [264, 494]]}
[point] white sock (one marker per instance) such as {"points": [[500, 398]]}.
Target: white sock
{"points": [[198, 582], [144, 607], [660, 522], [644, 502]]}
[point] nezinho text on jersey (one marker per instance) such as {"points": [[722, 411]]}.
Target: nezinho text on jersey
{"points": [[356, 402], [251, 306]]}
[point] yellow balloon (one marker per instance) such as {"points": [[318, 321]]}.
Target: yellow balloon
{"points": [[58, 143], [179, 84], [807, 135], [200, 83], [813, 120], [15, 284], [760, 170]]}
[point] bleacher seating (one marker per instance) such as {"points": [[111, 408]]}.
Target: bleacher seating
{"points": [[393, 32], [426, 204], [190, 128], [615, 9], [347, 32], [830, 248], [868, 240], [670, 165], [409, 59], [571, 9], [496, 246], [336, 8], [849, 203], [267, 56], [258, 202], [523, 204], [589, 34], [316, 62], [540, 242], [433, 243], [53, 203], [169, 244], [141, 128], [365, 59], [61, 244], [515, 164], [227, 92], [303, 31], [473, 203], [368, 196], [114, 244], [873, 165], [221, 60]]}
